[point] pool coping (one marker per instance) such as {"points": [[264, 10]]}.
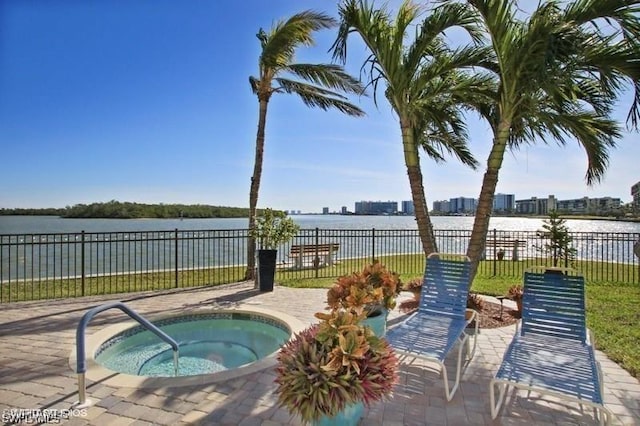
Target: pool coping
{"points": [[98, 373]]}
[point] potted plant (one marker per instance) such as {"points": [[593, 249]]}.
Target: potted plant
{"points": [[413, 286], [328, 372], [515, 293], [372, 292], [272, 229], [475, 302]]}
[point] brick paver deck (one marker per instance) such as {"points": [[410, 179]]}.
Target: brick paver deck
{"points": [[36, 339]]}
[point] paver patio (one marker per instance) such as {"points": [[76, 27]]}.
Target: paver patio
{"points": [[36, 339]]}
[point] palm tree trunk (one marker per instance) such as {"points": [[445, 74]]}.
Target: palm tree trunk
{"points": [[412, 161], [255, 187], [485, 202]]}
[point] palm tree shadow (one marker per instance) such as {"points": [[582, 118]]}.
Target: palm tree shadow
{"points": [[226, 300]]}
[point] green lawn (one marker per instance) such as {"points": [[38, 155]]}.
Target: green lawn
{"points": [[58, 288]]}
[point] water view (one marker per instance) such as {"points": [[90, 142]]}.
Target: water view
{"points": [[36, 248], [54, 224]]}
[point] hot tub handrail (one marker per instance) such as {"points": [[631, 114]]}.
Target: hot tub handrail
{"points": [[81, 361]]}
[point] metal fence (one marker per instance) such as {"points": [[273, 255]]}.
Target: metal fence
{"points": [[39, 266]]}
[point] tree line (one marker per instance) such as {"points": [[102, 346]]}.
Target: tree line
{"points": [[126, 210]]}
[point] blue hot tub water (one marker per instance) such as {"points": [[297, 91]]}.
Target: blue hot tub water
{"points": [[208, 343]]}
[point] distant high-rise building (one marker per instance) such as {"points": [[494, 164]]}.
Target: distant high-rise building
{"points": [[504, 203], [536, 205], [344, 210], [325, 210], [635, 193], [376, 207], [441, 206], [462, 205], [407, 208], [586, 205]]}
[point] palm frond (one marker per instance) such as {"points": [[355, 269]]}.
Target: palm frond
{"points": [[548, 122], [279, 45], [318, 97], [497, 16], [327, 75], [596, 134], [433, 27], [440, 137], [616, 66], [354, 14], [476, 92], [466, 57], [255, 84], [376, 29], [620, 14]]}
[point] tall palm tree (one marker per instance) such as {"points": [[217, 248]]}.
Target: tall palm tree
{"points": [[425, 83], [318, 85], [559, 73]]}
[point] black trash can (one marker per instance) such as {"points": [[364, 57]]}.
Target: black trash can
{"points": [[266, 269]]}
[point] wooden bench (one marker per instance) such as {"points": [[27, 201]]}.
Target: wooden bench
{"points": [[505, 244], [320, 254]]}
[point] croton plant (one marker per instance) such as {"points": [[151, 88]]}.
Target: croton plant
{"points": [[362, 291], [332, 365]]}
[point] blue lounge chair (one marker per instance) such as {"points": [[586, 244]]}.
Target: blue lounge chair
{"points": [[432, 332], [551, 352]]}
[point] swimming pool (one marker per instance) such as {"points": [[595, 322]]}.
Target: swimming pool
{"points": [[212, 344]]}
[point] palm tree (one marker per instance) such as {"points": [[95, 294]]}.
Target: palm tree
{"points": [[318, 85], [425, 83], [560, 72]]}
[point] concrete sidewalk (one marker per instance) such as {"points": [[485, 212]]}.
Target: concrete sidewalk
{"points": [[36, 339]]}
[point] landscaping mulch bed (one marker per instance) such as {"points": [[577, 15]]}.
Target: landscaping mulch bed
{"points": [[489, 316]]}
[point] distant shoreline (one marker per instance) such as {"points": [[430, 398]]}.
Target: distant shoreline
{"points": [[568, 217]]}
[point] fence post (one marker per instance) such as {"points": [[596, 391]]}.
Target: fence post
{"points": [[175, 249], [636, 251], [495, 255], [82, 271], [373, 245], [316, 258]]}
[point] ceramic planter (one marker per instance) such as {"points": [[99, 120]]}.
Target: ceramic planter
{"points": [[350, 416], [377, 321], [266, 269]]}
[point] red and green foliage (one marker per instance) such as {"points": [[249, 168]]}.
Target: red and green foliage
{"points": [[374, 286], [334, 364]]}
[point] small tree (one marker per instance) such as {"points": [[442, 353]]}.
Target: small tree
{"points": [[559, 246], [273, 228]]}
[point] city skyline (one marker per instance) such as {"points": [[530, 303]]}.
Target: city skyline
{"points": [[149, 102], [497, 197]]}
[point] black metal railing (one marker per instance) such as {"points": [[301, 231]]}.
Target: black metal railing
{"points": [[39, 266]]}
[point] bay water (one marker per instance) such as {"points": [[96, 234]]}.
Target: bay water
{"points": [[45, 246], [54, 224]]}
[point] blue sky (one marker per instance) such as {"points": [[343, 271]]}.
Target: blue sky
{"points": [[149, 101]]}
